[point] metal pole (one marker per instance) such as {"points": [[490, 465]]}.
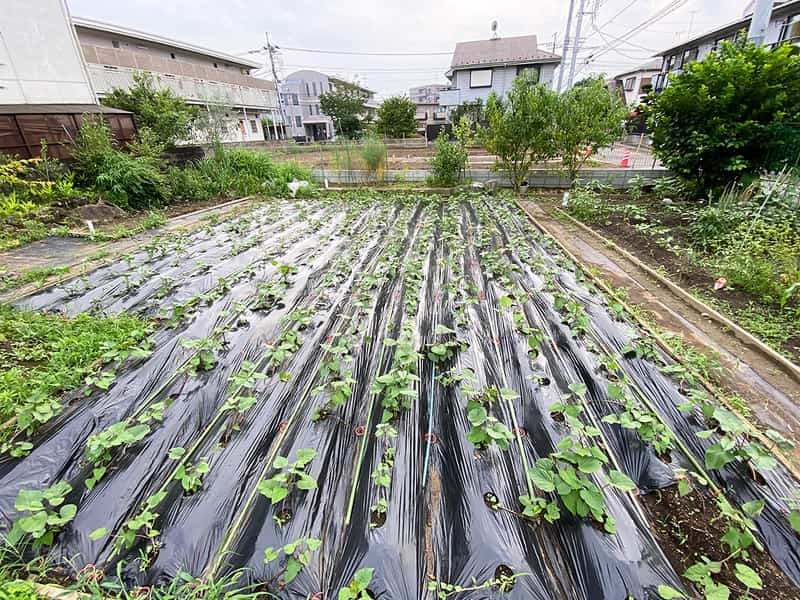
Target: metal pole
{"points": [[270, 51], [565, 47], [758, 25], [575, 45]]}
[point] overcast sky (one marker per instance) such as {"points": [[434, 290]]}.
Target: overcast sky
{"points": [[236, 26]]}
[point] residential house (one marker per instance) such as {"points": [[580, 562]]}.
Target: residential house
{"points": [[429, 112], [45, 87], [635, 84], [300, 95], [784, 27], [481, 67], [209, 78]]}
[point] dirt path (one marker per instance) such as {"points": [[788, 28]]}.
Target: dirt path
{"points": [[81, 255], [773, 397]]}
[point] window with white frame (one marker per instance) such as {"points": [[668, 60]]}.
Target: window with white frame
{"points": [[480, 78], [630, 84], [253, 126], [791, 30]]}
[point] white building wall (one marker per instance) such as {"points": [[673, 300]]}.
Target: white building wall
{"points": [[40, 61]]}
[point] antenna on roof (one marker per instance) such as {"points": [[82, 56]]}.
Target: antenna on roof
{"points": [[494, 31]]}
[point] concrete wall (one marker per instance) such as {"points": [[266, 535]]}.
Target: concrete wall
{"points": [[502, 79], [40, 61], [538, 178]]}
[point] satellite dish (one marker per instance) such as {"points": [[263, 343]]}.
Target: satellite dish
{"points": [[494, 30]]}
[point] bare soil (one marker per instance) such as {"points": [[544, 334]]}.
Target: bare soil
{"points": [[688, 528]]}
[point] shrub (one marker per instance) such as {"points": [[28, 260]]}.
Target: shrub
{"points": [[90, 147], [373, 152], [670, 187], [188, 183], [161, 113], [587, 205], [733, 113], [286, 172], [130, 182], [448, 163], [397, 117], [711, 224]]}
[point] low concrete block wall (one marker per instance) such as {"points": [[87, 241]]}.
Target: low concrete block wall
{"points": [[537, 178]]}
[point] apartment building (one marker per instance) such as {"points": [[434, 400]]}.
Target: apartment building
{"points": [[426, 97], [481, 67], [201, 76], [300, 95], [784, 27]]}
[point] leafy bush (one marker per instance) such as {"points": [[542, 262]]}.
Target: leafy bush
{"points": [[373, 153], [448, 163], [733, 113], [670, 187], [587, 205], [91, 145], [711, 224], [397, 118], [12, 206], [189, 183], [130, 182], [160, 113]]}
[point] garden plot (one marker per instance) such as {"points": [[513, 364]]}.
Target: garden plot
{"points": [[392, 395]]}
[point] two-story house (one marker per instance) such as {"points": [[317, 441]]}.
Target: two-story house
{"points": [[635, 84], [784, 27], [300, 95], [481, 67], [200, 75]]}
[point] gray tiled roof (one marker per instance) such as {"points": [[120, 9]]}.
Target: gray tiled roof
{"points": [[498, 51]]}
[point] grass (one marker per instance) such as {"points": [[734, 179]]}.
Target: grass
{"points": [[42, 356], [37, 275]]}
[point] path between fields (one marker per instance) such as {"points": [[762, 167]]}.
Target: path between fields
{"points": [[773, 397]]}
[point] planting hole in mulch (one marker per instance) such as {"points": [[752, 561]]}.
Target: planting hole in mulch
{"points": [[491, 500], [505, 575]]}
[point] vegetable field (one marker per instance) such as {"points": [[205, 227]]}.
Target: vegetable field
{"points": [[390, 396]]}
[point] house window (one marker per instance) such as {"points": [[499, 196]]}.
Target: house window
{"points": [[534, 69], [630, 84], [308, 90], [671, 63], [791, 30], [253, 126], [689, 56], [479, 79], [298, 121], [115, 43], [295, 101]]}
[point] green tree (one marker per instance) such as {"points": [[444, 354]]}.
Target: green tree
{"points": [[520, 128], [589, 117], [472, 109], [734, 113], [345, 107], [450, 159], [396, 117], [161, 111]]}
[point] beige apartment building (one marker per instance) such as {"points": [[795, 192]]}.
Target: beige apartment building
{"points": [[218, 81]]}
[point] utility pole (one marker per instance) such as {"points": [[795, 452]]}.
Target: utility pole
{"points": [[758, 25], [565, 46], [576, 44], [271, 51]]}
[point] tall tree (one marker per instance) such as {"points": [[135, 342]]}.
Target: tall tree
{"points": [[166, 115], [397, 117], [520, 129], [346, 108]]}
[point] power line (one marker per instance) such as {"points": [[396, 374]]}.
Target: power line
{"points": [[353, 53]]}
